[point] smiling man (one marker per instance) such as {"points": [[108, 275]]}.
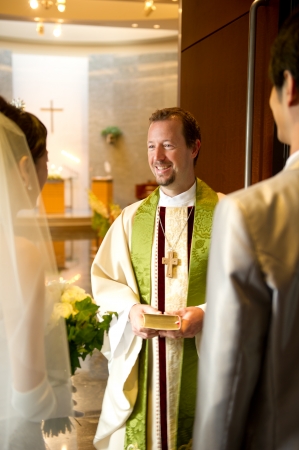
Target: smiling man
{"points": [[153, 260]]}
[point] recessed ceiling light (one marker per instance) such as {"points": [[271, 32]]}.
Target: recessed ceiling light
{"points": [[156, 26], [33, 4], [60, 5], [134, 25]]}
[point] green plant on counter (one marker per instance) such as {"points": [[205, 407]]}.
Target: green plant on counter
{"points": [[54, 176]]}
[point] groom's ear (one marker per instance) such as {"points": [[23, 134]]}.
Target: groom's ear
{"points": [[24, 170], [292, 94]]}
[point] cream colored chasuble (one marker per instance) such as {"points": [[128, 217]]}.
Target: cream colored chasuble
{"points": [[176, 288], [123, 343]]}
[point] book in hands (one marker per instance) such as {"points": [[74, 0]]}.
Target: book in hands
{"points": [[162, 322]]}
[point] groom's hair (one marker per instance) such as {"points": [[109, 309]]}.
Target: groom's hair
{"points": [[285, 52]]}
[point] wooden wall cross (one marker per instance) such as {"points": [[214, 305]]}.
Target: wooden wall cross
{"points": [[52, 110]]}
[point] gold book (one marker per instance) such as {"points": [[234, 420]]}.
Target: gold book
{"points": [[162, 321]]}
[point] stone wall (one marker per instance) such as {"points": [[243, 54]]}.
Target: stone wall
{"points": [[123, 91], [6, 74]]}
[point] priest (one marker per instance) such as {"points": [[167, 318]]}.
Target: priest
{"points": [[153, 260]]}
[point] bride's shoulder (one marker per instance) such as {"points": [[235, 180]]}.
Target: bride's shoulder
{"points": [[24, 245], [28, 254]]}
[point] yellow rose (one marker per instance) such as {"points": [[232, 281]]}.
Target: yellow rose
{"points": [[62, 310], [73, 294]]}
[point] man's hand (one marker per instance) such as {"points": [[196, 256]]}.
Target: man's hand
{"points": [[136, 320], [192, 321]]}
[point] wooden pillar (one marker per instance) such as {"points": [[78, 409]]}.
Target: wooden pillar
{"points": [[214, 85], [103, 189], [53, 197]]}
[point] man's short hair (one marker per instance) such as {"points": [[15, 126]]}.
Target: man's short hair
{"points": [[285, 52], [191, 130]]}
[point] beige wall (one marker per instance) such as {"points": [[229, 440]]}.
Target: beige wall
{"points": [[5, 73], [124, 90]]}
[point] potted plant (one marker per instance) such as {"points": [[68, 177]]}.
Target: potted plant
{"points": [[111, 134]]}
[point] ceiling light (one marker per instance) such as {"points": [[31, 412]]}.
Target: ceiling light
{"points": [[57, 30], [156, 26], [134, 25], [149, 7], [33, 4], [60, 4]]}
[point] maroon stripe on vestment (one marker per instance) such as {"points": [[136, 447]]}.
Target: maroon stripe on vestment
{"points": [[190, 231], [162, 343]]}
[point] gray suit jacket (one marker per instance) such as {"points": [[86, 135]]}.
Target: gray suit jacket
{"points": [[249, 365]]}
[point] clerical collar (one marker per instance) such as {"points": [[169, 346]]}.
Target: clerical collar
{"points": [[290, 160], [187, 198]]}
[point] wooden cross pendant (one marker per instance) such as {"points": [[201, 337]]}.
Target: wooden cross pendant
{"points": [[171, 261]]}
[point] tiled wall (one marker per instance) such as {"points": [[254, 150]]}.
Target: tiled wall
{"points": [[124, 90], [6, 74]]}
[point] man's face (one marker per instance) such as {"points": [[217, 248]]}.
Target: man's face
{"points": [[277, 105], [170, 160]]}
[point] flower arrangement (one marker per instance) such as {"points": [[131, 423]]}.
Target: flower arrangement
{"points": [[85, 331], [103, 217]]}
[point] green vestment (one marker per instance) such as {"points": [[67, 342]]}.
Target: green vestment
{"points": [[142, 241]]}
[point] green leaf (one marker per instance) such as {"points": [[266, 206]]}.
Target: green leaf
{"points": [[86, 309], [100, 224], [85, 332], [72, 331], [74, 359]]}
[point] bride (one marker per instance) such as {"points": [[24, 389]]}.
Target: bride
{"points": [[34, 361]]}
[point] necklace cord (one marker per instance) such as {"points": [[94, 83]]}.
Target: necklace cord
{"points": [[172, 247]]}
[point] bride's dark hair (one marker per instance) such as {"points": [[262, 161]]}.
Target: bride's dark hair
{"points": [[34, 130]]}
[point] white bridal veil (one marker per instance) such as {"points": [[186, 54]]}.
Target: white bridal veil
{"points": [[34, 360]]}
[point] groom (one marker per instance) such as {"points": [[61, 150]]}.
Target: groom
{"points": [[249, 367]]}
